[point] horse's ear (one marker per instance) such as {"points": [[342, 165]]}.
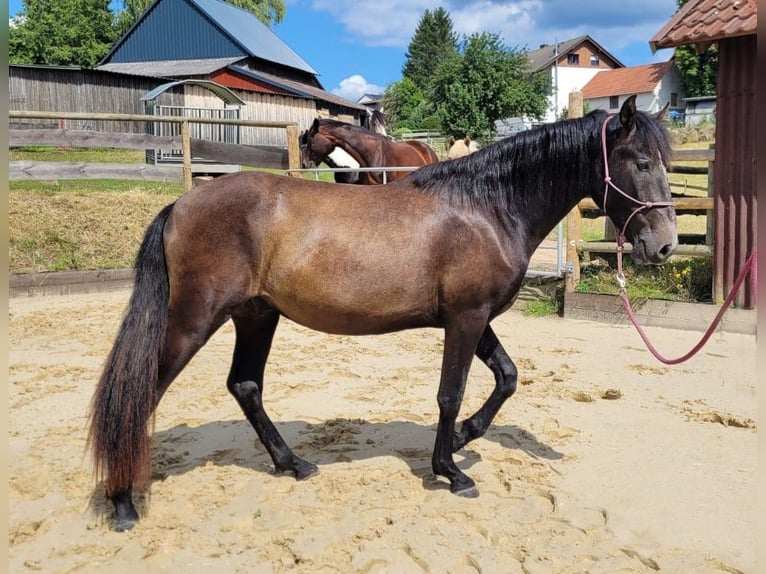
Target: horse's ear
{"points": [[628, 114], [663, 112], [315, 125]]}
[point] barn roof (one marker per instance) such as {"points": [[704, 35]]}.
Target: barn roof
{"points": [[547, 54], [170, 68], [633, 80], [705, 21], [201, 29], [297, 88]]}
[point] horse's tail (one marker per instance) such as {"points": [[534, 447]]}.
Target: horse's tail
{"points": [[126, 393]]}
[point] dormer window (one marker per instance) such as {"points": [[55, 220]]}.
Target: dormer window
{"points": [[594, 61]]}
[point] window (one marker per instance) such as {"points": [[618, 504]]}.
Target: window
{"points": [[614, 102], [673, 100], [573, 59], [594, 61]]}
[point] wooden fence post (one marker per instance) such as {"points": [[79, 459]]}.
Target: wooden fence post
{"points": [[575, 110], [186, 146], [293, 150]]}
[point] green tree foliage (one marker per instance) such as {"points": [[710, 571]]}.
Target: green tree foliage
{"points": [[433, 42], [61, 32], [699, 72], [405, 104], [483, 82], [267, 11]]}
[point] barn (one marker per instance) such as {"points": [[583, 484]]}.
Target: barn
{"points": [[190, 40]]}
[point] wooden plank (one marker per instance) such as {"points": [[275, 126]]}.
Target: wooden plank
{"points": [[573, 258], [657, 313], [609, 247], [257, 156], [693, 155], [93, 116], [703, 203], [51, 170], [88, 138]]}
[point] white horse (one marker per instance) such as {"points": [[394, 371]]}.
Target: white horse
{"points": [[460, 148]]}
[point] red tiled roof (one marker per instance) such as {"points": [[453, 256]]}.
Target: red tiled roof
{"points": [[633, 80], [705, 21]]}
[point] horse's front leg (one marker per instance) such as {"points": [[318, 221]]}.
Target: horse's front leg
{"points": [[460, 339], [492, 354]]}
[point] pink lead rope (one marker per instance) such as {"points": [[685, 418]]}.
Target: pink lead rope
{"points": [[750, 265]]}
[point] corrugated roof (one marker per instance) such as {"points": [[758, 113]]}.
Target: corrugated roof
{"points": [[170, 68], [620, 81], [208, 28], [546, 55], [705, 21], [298, 88], [252, 34]]}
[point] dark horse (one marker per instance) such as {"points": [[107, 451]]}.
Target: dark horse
{"points": [[446, 247], [367, 148]]}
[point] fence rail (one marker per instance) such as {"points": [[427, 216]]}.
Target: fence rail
{"points": [[259, 156]]}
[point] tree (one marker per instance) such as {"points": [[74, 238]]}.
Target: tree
{"points": [[267, 11], [405, 105], [483, 82], [433, 42], [61, 32], [699, 72]]}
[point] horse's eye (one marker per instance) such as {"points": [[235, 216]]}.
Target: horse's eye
{"points": [[642, 165]]}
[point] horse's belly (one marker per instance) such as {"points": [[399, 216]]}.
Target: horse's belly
{"points": [[346, 314]]}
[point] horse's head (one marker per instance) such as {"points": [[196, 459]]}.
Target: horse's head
{"points": [[314, 146], [636, 152]]}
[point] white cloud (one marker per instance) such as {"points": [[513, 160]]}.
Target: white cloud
{"points": [[354, 87], [518, 22]]}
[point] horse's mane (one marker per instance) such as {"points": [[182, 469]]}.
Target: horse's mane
{"points": [[533, 167], [360, 130]]}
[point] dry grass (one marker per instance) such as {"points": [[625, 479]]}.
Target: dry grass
{"points": [[69, 226]]}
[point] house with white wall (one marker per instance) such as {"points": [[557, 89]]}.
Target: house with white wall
{"points": [[571, 65], [655, 85]]}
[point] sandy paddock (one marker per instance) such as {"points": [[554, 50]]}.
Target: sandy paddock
{"points": [[604, 461]]}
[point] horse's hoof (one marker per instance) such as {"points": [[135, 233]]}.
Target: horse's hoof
{"points": [[306, 471], [123, 524], [470, 492]]}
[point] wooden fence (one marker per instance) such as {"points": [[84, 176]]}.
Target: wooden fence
{"points": [[257, 156], [683, 205]]}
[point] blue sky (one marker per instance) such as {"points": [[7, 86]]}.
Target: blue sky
{"points": [[359, 46]]}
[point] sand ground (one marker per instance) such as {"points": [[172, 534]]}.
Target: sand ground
{"points": [[604, 461]]}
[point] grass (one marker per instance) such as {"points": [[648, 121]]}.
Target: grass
{"points": [[687, 279], [90, 155], [75, 225], [543, 307]]}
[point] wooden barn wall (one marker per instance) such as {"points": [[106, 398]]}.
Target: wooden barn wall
{"points": [[735, 168], [65, 90], [273, 107]]}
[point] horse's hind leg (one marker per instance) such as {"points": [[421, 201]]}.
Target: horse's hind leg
{"points": [[255, 323], [184, 337], [492, 354]]}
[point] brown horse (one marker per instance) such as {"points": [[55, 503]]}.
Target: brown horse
{"points": [[367, 148], [446, 247]]}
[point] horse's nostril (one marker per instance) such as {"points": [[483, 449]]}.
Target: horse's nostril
{"points": [[667, 250]]}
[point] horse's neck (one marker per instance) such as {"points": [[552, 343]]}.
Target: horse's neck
{"points": [[362, 155], [341, 158], [557, 193]]}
